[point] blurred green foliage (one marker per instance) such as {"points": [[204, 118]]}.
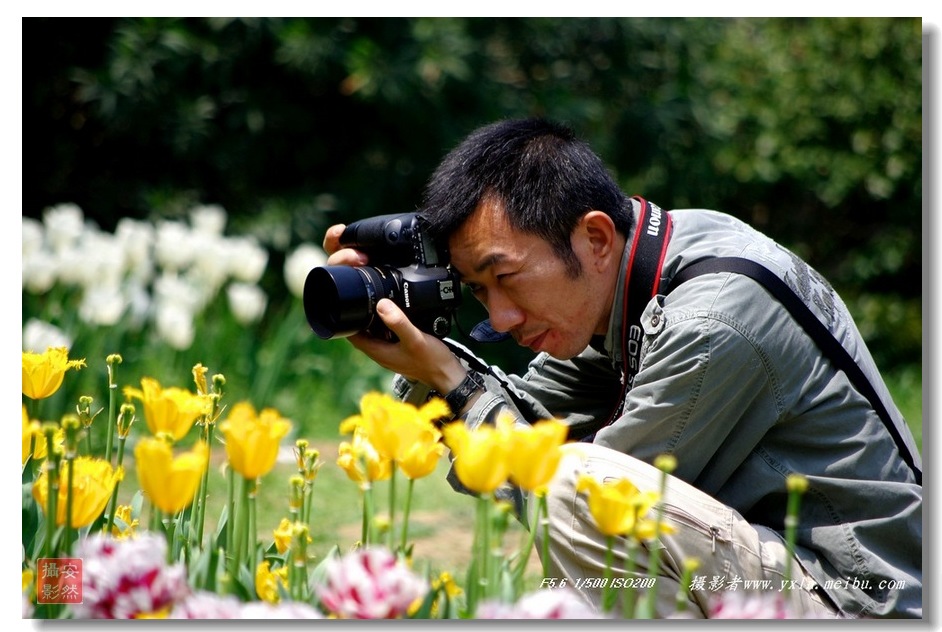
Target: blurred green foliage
{"points": [[809, 128]]}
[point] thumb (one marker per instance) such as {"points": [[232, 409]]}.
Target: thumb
{"points": [[397, 321]]}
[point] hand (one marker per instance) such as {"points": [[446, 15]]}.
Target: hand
{"points": [[417, 355], [341, 256]]}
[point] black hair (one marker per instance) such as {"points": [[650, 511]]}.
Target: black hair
{"points": [[546, 178]]}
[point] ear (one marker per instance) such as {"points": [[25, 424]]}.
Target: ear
{"points": [[600, 238]]}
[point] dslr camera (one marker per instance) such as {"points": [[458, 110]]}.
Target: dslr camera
{"points": [[411, 270]]}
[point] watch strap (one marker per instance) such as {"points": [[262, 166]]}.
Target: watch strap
{"points": [[458, 397]]}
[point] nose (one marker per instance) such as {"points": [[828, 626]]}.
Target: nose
{"points": [[503, 313]]}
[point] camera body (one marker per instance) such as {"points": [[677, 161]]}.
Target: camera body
{"points": [[411, 270]]}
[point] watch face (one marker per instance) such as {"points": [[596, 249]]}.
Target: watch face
{"points": [[457, 398]]}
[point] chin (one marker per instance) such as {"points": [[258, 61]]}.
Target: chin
{"points": [[562, 354], [564, 351]]}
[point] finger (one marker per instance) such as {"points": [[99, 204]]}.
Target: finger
{"points": [[332, 238], [397, 321], [347, 257]]}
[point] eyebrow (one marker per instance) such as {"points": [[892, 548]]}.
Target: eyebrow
{"points": [[488, 261]]}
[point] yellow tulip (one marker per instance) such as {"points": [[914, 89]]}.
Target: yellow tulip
{"points": [[28, 436], [123, 515], [393, 426], [43, 372], [92, 485], [283, 534], [619, 508], [360, 460], [481, 455], [170, 482], [252, 440], [267, 581], [33, 429], [536, 453], [162, 613], [420, 458], [170, 411], [199, 378]]}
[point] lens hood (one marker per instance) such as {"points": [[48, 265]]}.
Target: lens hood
{"points": [[339, 301]]}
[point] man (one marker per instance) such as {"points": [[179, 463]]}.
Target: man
{"points": [[716, 372]]}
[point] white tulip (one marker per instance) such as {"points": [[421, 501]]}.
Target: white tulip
{"points": [[64, 224], [208, 219], [33, 237], [247, 259], [299, 263], [247, 302], [39, 335], [40, 273], [175, 325], [102, 305], [174, 246]]}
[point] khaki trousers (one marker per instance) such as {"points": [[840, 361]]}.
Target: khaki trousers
{"points": [[730, 551]]}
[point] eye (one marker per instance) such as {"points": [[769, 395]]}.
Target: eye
{"points": [[474, 288]]}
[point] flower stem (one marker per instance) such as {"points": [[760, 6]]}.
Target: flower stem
{"points": [[544, 522], [230, 527], [484, 504], [535, 524], [240, 538], [367, 514], [405, 516], [390, 535], [308, 505], [52, 496], [112, 400], [204, 488], [242, 519], [113, 504], [170, 523], [67, 539], [252, 535], [796, 484], [477, 571], [628, 605], [683, 593], [650, 598], [608, 594]]}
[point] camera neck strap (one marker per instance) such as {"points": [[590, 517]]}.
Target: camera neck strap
{"points": [[642, 282]]}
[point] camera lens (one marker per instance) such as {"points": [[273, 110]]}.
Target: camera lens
{"points": [[341, 300]]}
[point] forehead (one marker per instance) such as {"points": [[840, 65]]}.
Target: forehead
{"points": [[487, 238]]}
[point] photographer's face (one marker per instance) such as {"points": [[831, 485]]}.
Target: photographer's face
{"points": [[525, 285]]}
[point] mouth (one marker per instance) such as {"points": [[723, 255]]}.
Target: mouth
{"points": [[535, 342]]}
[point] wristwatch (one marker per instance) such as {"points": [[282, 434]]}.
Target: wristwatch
{"points": [[458, 397]]}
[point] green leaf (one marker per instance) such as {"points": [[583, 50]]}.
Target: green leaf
{"points": [[204, 568], [32, 518], [424, 611]]}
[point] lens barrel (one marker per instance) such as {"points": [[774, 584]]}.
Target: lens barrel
{"points": [[340, 301]]}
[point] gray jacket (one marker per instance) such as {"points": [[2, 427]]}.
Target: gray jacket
{"points": [[732, 386]]}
